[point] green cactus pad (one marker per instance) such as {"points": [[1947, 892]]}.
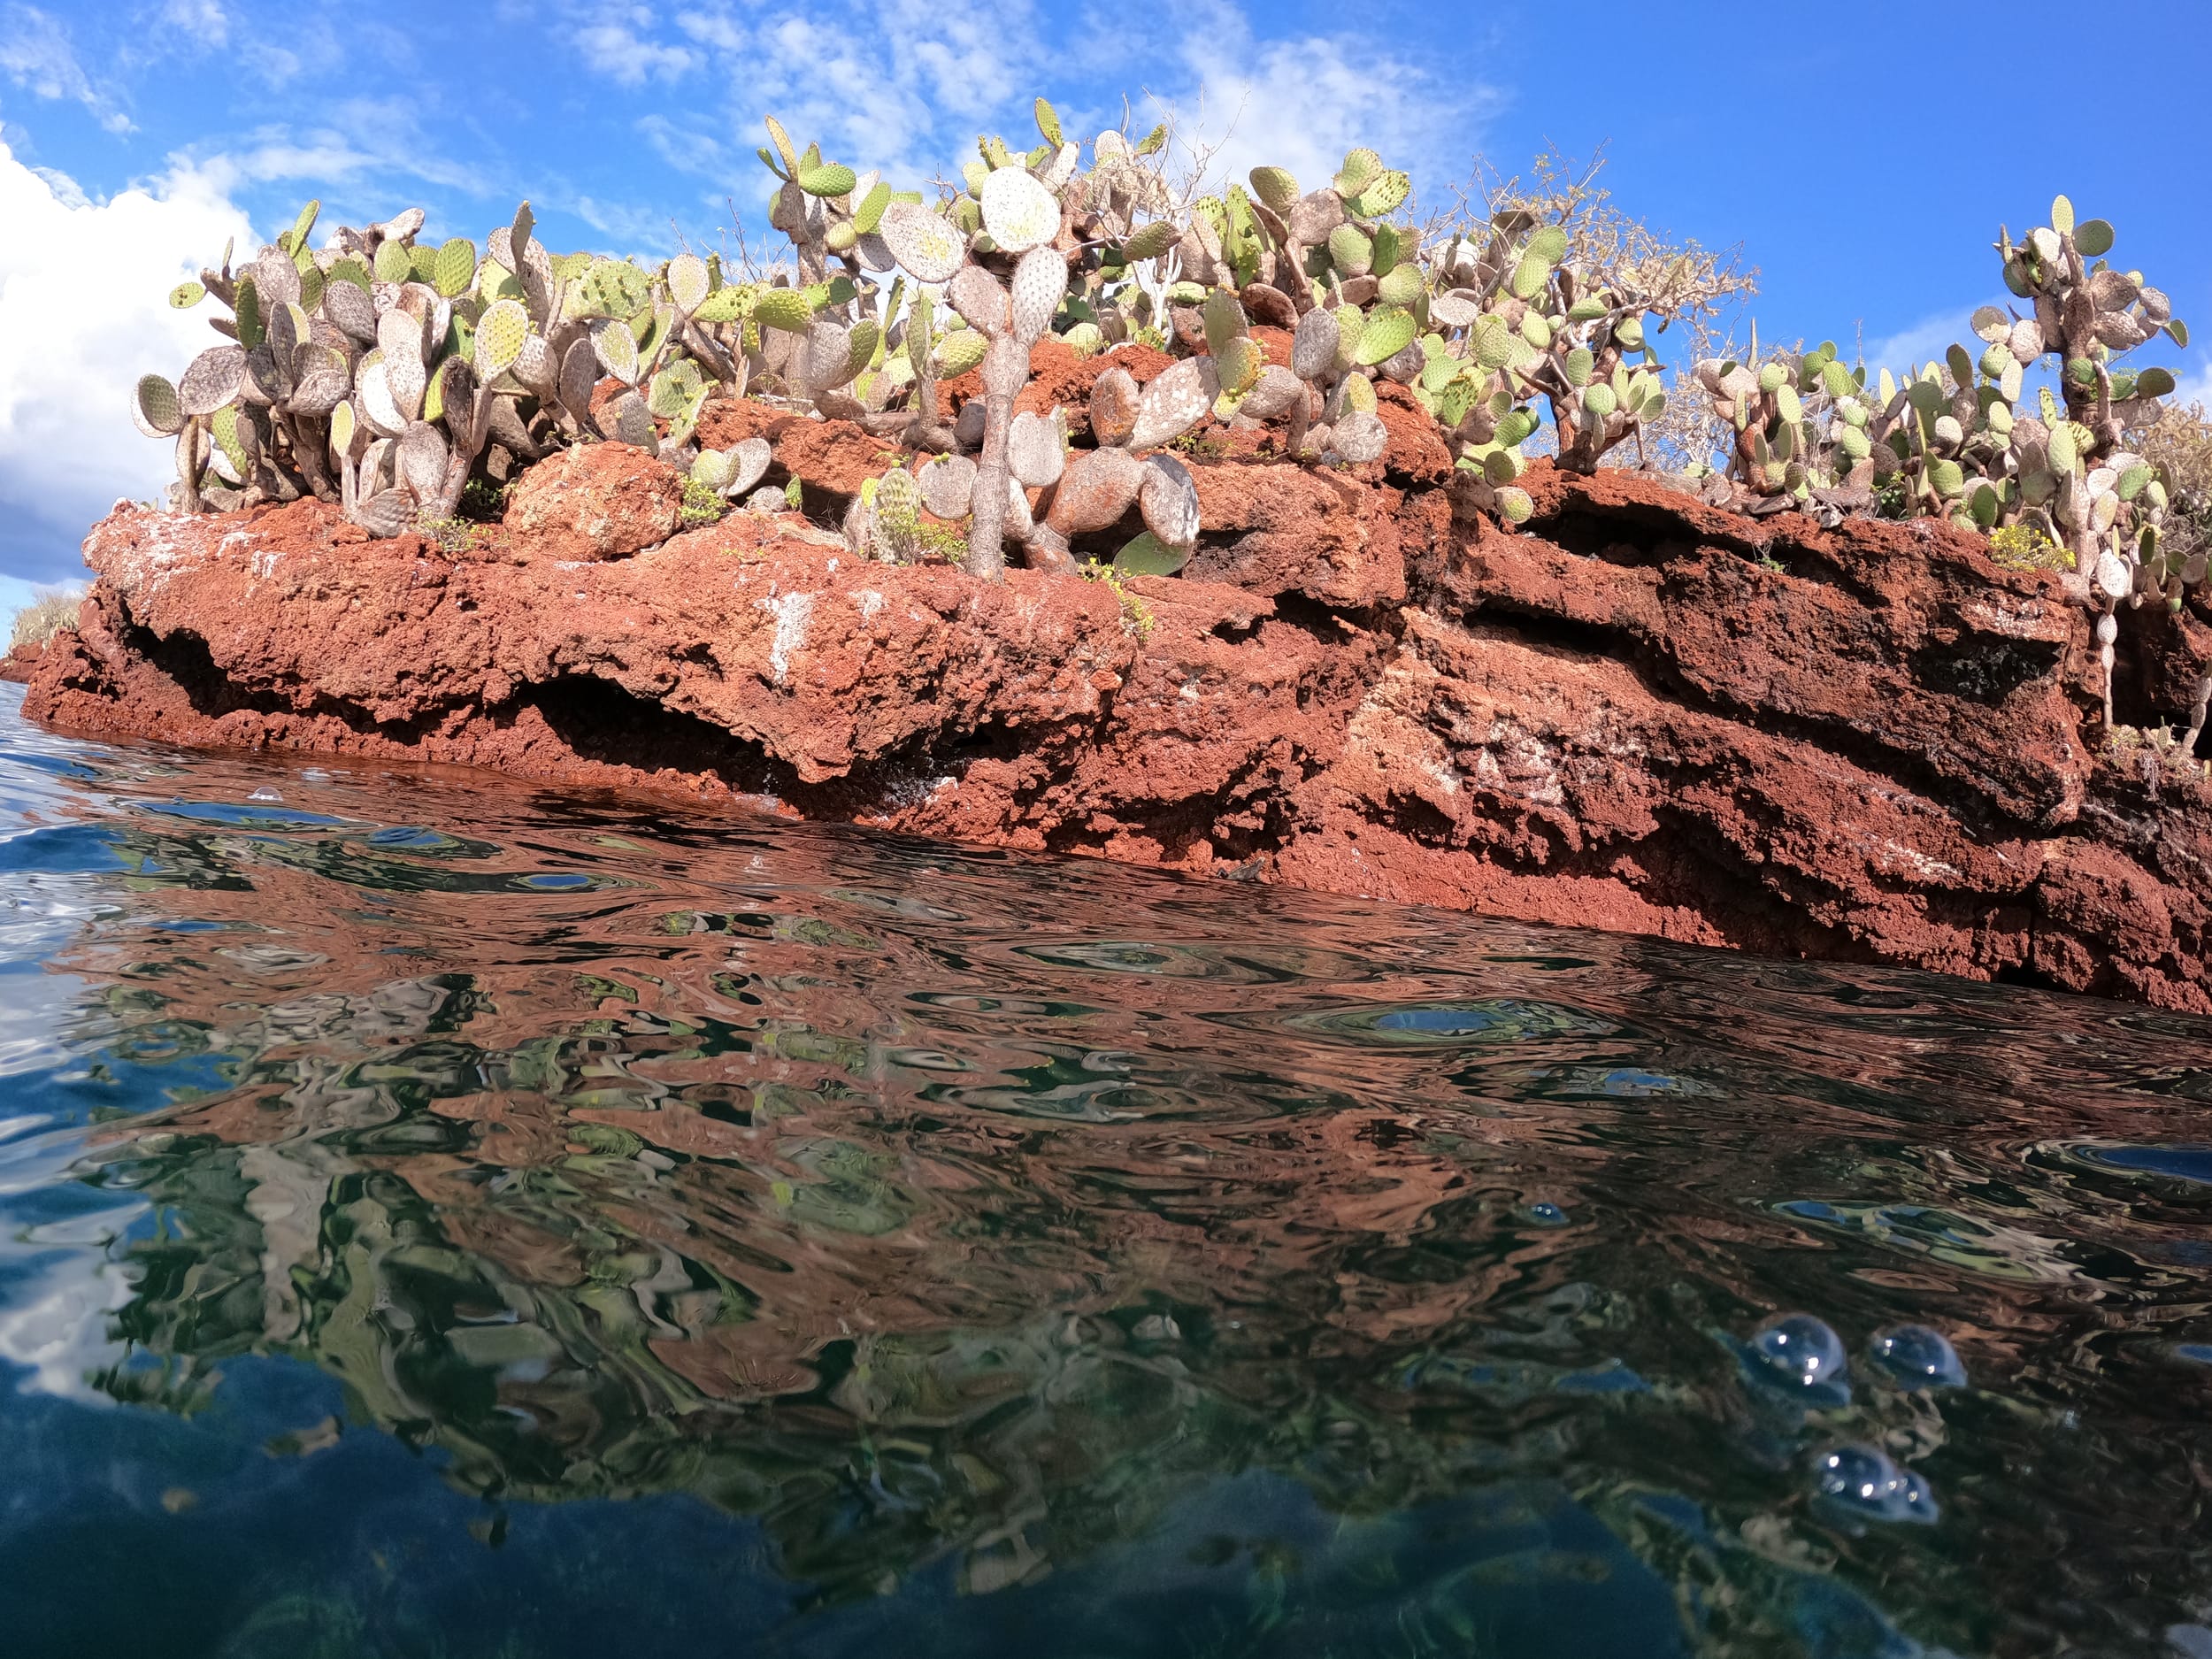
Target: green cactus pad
{"points": [[959, 351], [1385, 193], [2062, 215], [617, 348], [1529, 277], [1276, 187], [185, 295], [1600, 400], [1237, 365], [1149, 241], [1357, 173], [783, 308], [868, 213], [1145, 555], [1048, 124], [1350, 250], [154, 405], [728, 304], [1493, 343], [1390, 245], [2154, 382], [1578, 366], [1548, 244], [453, 267], [1403, 286], [1387, 332], [834, 179], [1587, 310], [1515, 504], [783, 140]]}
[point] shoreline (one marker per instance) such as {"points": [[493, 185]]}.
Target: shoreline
{"points": [[1639, 713]]}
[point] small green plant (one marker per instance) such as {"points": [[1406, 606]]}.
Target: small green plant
{"points": [[2024, 547], [483, 501], [1136, 616], [702, 504], [453, 535]]}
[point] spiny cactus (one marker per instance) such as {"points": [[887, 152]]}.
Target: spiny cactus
{"points": [[1953, 438], [386, 370]]}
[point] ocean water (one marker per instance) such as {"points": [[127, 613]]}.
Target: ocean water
{"points": [[442, 1216]]}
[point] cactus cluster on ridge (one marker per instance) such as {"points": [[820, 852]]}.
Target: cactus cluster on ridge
{"points": [[384, 373], [1960, 439]]}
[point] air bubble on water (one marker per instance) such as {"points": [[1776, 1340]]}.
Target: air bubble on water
{"points": [[1548, 1214], [1918, 1358], [1803, 1356], [1867, 1484], [265, 793]]}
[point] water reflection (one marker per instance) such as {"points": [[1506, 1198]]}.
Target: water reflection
{"points": [[940, 1251]]}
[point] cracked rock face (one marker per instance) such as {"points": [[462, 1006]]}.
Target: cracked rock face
{"points": [[1864, 744]]}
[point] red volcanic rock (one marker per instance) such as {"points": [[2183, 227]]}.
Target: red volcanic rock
{"points": [[1276, 529], [597, 500], [1639, 713], [18, 663]]}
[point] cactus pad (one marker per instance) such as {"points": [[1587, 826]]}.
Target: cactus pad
{"points": [[1174, 403], [1350, 250], [1041, 282], [927, 246], [212, 381], [1168, 498], [1034, 450], [1387, 333], [154, 407], [1114, 405], [1096, 489], [1149, 241], [1360, 436], [500, 335], [831, 181], [1275, 187], [786, 309], [961, 351], [947, 483], [1357, 173], [1314, 348], [1017, 212]]}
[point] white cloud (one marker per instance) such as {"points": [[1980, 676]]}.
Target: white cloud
{"points": [[1922, 342], [204, 21], [35, 52], [84, 313], [1302, 103], [610, 35]]}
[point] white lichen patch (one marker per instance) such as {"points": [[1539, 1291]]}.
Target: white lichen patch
{"points": [[792, 612]]}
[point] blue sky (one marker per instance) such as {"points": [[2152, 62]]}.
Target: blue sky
{"points": [[1865, 154]]}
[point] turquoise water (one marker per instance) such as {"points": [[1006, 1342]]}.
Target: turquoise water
{"points": [[441, 1216]]}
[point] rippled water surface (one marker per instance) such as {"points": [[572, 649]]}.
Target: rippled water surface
{"points": [[443, 1217]]}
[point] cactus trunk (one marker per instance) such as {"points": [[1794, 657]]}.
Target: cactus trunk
{"points": [[1004, 371]]}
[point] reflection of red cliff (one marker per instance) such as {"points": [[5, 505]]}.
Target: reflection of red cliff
{"points": [[1642, 716]]}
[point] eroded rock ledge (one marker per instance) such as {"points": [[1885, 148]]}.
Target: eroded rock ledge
{"points": [[1864, 744]]}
